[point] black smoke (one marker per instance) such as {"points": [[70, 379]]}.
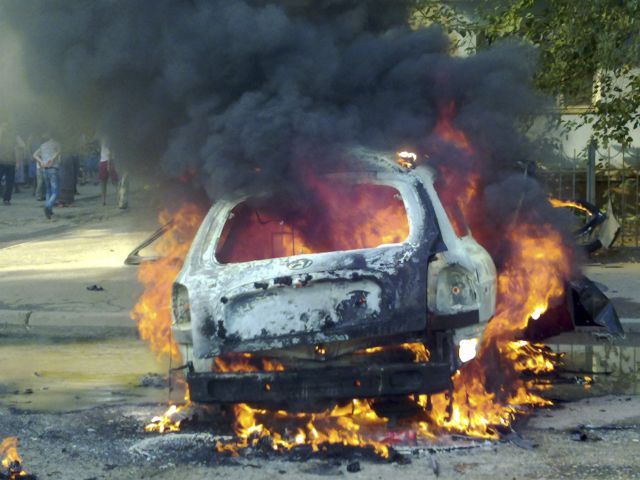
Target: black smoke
{"points": [[239, 91]]}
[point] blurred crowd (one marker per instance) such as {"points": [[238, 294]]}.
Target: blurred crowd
{"points": [[51, 171]]}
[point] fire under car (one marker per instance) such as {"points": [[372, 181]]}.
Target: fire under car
{"points": [[392, 306]]}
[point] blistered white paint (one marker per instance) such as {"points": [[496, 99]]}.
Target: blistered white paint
{"points": [[284, 310]]}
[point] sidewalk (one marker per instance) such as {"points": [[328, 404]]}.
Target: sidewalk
{"points": [[47, 265]]}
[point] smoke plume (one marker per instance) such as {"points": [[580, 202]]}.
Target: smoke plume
{"points": [[237, 91]]}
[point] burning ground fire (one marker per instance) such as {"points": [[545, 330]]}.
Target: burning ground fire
{"points": [[535, 272], [11, 461], [489, 391], [152, 312]]}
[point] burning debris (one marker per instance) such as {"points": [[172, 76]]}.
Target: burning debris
{"points": [[12, 462], [168, 422]]}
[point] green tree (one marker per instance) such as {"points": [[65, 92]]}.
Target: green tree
{"points": [[588, 49]]}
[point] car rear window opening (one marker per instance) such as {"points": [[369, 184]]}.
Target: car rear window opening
{"points": [[324, 218]]}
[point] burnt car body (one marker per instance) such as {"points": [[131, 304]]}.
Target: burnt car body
{"points": [[315, 313]]}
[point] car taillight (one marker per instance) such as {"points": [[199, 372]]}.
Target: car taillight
{"points": [[456, 291]]}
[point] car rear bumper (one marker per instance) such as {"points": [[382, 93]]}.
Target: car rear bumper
{"points": [[317, 384]]}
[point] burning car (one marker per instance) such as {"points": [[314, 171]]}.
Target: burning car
{"points": [[377, 296]]}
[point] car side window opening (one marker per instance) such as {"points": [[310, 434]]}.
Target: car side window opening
{"points": [[328, 217]]}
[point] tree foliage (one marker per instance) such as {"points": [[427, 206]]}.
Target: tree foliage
{"points": [[589, 50]]}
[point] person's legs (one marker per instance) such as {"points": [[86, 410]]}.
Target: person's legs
{"points": [[47, 188], [9, 178], [51, 178], [55, 186], [40, 185]]}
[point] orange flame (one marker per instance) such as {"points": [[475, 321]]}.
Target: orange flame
{"points": [[245, 362], [152, 312], [11, 461], [165, 423], [406, 159], [420, 353], [9, 450], [349, 425], [557, 203], [333, 221], [446, 131], [171, 419], [457, 191], [532, 278]]}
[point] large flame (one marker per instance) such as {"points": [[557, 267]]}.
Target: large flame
{"points": [[354, 424], [489, 391], [152, 312]]}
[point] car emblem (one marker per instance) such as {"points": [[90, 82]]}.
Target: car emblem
{"points": [[299, 264]]}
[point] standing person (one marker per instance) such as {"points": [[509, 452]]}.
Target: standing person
{"points": [[48, 157], [7, 160], [106, 169]]}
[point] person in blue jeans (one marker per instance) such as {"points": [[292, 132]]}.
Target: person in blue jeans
{"points": [[48, 157], [52, 182]]}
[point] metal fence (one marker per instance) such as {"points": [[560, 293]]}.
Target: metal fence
{"points": [[617, 178]]}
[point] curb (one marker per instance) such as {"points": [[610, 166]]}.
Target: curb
{"points": [[34, 323]]}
